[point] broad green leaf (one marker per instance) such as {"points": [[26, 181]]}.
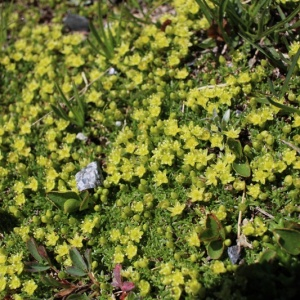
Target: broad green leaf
{"points": [[33, 249], [291, 225], [43, 253], [236, 147], [242, 167], [267, 256], [77, 259], [50, 281], [59, 198], [76, 272], [36, 267], [214, 229], [289, 240], [215, 249], [71, 205]]}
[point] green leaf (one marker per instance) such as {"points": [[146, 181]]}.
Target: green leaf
{"points": [[78, 297], [50, 281], [236, 147], [289, 240], [242, 167], [43, 253], [205, 10], [71, 205], [285, 108], [280, 24], [81, 104], [59, 198], [85, 201], [88, 257], [36, 267], [215, 249], [77, 259], [268, 54], [289, 74], [33, 249], [60, 112], [63, 97], [267, 256], [214, 229], [75, 271]]}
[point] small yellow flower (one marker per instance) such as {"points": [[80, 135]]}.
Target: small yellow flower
{"points": [[193, 239], [160, 177], [177, 209], [29, 287], [76, 241], [63, 249], [3, 282], [52, 239], [131, 251], [218, 267]]}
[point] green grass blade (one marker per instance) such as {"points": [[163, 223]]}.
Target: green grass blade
{"points": [[278, 26], [60, 112], [284, 107], [64, 99], [271, 86], [289, 74], [221, 15], [205, 10], [274, 61], [80, 103], [95, 34], [95, 48]]}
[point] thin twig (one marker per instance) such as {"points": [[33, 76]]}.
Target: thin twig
{"points": [[240, 217], [291, 145], [264, 212], [81, 92], [212, 86]]}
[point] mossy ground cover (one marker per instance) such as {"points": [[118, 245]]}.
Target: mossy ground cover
{"points": [[190, 109]]}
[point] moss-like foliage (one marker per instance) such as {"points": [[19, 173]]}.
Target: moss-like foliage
{"points": [[191, 111]]}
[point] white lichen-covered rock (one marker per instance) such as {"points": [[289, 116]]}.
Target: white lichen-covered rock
{"points": [[89, 177]]}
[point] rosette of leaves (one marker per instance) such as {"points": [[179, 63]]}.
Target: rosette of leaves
{"points": [[69, 201], [78, 109], [75, 282]]}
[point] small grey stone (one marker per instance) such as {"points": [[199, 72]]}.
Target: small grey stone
{"points": [[80, 136], [76, 23], [234, 253], [89, 177], [112, 71]]}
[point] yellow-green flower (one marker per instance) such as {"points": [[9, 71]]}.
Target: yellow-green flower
{"points": [[177, 209], [76, 241], [160, 177], [193, 239], [29, 287], [218, 267]]}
